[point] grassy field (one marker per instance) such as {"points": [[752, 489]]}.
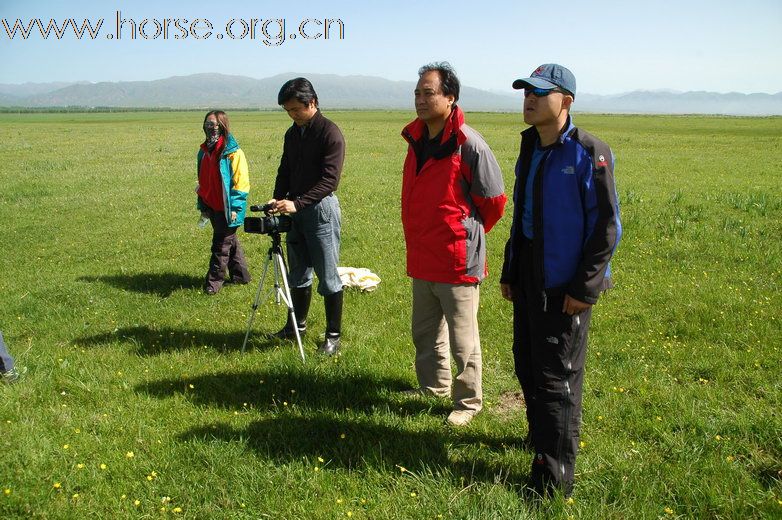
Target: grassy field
{"points": [[136, 402]]}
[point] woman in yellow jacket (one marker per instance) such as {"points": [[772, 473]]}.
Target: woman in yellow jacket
{"points": [[223, 185]]}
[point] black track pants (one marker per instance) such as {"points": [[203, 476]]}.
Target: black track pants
{"points": [[549, 350]]}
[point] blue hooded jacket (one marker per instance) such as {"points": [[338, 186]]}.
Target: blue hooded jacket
{"points": [[575, 214]]}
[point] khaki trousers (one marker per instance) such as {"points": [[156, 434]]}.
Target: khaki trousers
{"points": [[445, 320]]}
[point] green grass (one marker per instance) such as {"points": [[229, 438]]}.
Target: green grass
{"points": [[100, 301]]}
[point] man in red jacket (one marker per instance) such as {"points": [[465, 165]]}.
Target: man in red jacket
{"points": [[452, 194]]}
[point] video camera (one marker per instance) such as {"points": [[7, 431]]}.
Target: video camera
{"points": [[268, 225]]}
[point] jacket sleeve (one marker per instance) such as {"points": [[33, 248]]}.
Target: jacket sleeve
{"points": [[282, 183], [240, 181], [487, 189], [510, 261], [603, 209], [199, 203]]}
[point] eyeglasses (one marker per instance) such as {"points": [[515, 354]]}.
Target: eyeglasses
{"points": [[541, 92], [210, 124]]}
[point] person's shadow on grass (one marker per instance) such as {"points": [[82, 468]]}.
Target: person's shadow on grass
{"points": [[357, 421], [150, 341], [160, 284], [301, 387], [382, 443]]}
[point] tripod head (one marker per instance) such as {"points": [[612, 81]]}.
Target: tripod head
{"points": [[276, 246]]}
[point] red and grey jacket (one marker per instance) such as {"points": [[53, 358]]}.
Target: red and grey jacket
{"points": [[449, 202]]}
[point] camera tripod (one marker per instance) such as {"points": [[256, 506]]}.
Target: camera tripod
{"points": [[281, 291]]}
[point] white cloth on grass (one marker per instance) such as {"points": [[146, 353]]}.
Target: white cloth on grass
{"points": [[358, 277]]}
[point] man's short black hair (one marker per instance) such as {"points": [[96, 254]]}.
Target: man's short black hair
{"points": [[299, 89], [448, 79]]}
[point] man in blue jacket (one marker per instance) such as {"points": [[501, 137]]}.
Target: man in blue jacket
{"points": [[565, 229]]}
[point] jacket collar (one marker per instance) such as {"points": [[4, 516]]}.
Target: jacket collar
{"points": [[315, 121], [230, 145], [532, 132], [415, 130]]}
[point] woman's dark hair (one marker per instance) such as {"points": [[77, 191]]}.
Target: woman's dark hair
{"points": [[222, 121], [299, 89], [448, 79]]}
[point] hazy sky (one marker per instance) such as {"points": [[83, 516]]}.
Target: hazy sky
{"points": [[611, 46]]}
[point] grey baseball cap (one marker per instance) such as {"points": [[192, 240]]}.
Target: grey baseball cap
{"points": [[549, 75]]}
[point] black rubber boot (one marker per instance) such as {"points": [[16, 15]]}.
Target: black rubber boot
{"points": [[301, 297], [332, 341]]}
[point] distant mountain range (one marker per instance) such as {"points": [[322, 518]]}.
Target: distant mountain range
{"points": [[353, 92]]}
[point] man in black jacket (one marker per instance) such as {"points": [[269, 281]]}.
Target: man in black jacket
{"points": [[309, 172]]}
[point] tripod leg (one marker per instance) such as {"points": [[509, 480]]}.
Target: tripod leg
{"points": [[255, 301], [286, 296]]}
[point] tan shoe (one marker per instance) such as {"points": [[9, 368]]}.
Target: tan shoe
{"points": [[460, 417]]}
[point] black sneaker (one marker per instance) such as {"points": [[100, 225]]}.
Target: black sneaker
{"points": [[287, 333], [330, 346], [9, 376]]}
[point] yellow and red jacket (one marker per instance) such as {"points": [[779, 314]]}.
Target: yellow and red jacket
{"points": [[449, 203], [235, 180]]}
